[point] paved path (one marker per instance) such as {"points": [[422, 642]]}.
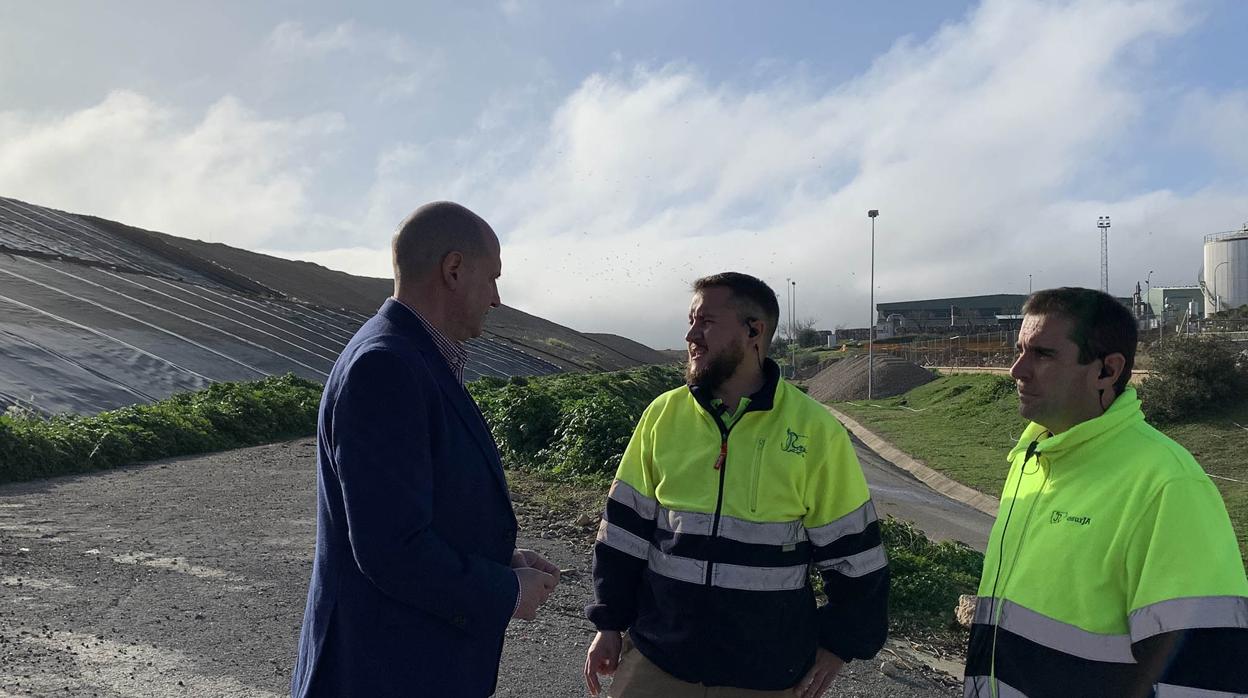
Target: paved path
{"points": [[900, 494], [188, 577]]}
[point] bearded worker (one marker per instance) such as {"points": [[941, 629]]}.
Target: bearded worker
{"points": [[731, 488]]}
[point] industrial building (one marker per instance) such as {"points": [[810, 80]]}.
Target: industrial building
{"points": [[1225, 277], [1171, 304], [949, 315]]}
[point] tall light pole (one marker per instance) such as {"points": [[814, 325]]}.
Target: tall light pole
{"points": [[1147, 286], [1029, 284], [788, 316], [793, 324], [872, 214], [1102, 222]]}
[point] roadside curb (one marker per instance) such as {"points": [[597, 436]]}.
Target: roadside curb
{"points": [[940, 483]]}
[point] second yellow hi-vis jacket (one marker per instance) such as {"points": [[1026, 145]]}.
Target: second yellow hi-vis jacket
{"points": [[1112, 570], [712, 525]]}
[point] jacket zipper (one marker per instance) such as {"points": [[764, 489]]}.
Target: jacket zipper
{"points": [[721, 464]]}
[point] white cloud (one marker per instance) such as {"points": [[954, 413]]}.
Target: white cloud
{"points": [[976, 145], [388, 65], [289, 40], [232, 175], [1216, 123]]}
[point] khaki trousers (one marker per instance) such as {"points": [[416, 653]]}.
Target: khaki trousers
{"points": [[638, 677]]}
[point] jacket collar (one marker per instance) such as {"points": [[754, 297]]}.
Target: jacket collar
{"points": [[762, 399], [1124, 410]]}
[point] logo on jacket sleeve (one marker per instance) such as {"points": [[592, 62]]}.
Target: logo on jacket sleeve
{"points": [[793, 443]]}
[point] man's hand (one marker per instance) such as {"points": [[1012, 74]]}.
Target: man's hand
{"points": [[522, 558], [603, 658], [820, 675], [535, 586]]}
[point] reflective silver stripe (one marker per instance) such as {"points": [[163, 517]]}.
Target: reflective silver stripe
{"points": [[758, 578], [1055, 634], [981, 687], [854, 522], [1167, 690], [681, 568], [622, 540], [740, 530], [858, 564], [727, 576], [628, 495], [762, 532], [688, 522], [1191, 612]]}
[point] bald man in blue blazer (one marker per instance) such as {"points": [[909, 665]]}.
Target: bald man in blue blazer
{"points": [[416, 573]]}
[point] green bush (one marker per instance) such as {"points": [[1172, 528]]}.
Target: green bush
{"points": [[571, 424], [592, 436], [1193, 376], [927, 577], [225, 415]]}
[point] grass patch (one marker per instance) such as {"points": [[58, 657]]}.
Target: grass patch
{"points": [[223, 416], [963, 426]]}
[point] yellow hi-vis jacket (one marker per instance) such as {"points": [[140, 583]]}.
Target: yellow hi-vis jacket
{"points": [[712, 525], [1112, 570]]}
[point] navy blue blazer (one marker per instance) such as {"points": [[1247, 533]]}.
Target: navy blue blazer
{"points": [[411, 587]]}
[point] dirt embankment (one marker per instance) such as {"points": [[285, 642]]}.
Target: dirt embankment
{"points": [[847, 379]]}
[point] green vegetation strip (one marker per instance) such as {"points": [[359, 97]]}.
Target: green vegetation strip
{"points": [[964, 425], [226, 415]]}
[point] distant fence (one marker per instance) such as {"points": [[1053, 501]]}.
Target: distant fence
{"points": [[982, 349]]}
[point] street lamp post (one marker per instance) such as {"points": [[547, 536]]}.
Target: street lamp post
{"points": [[872, 214], [793, 324], [1029, 284], [788, 314], [1147, 295], [1102, 222]]}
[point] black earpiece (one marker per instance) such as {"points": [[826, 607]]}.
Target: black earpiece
{"points": [[748, 322]]}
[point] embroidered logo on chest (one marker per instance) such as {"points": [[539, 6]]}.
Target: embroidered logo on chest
{"points": [[794, 443], [1062, 516]]}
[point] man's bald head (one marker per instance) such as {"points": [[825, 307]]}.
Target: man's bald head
{"points": [[434, 231]]}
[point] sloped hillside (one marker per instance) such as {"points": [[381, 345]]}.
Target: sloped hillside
{"points": [[95, 314]]}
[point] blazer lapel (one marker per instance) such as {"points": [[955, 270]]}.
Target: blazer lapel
{"points": [[455, 393]]}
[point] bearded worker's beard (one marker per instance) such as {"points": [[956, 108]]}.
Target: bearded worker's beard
{"points": [[719, 369]]}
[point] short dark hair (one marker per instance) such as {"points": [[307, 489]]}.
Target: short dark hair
{"points": [[754, 298], [1101, 325], [431, 232]]}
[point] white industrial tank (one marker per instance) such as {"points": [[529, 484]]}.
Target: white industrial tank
{"points": [[1226, 270]]}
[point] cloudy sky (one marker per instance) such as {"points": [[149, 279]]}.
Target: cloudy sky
{"points": [[623, 148]]}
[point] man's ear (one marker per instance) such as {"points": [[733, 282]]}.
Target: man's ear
{"points": [[1112, 367], [452, 267]]}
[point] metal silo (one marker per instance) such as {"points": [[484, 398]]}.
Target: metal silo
{"points": [[1225, 277]]}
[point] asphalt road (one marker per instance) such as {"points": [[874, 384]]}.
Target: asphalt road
{"points": [[900, 494], [188, 578]]}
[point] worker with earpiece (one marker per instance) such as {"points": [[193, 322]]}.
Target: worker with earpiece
{"points": [[1112, 568], [731, 490]]}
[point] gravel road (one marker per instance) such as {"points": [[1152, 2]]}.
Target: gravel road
{"points": [[187, 578]]}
